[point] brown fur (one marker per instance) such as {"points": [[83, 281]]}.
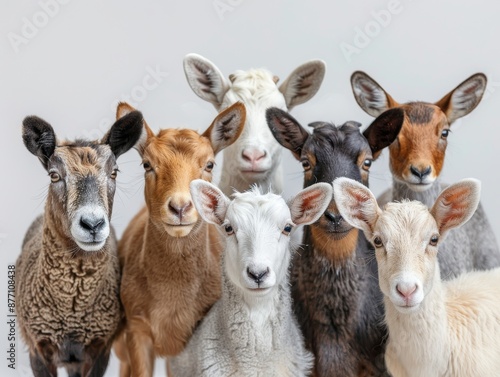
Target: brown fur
{"points": [[419, 142], [171, 273]]}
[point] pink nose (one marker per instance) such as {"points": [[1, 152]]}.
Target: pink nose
{"points": [[179, 209], [253, 155], [406, 291]]}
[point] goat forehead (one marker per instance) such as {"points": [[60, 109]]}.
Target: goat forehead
{"points": [[84, 160], [408, 222], [172, 145], [256, 89], [336, 151], [252, 210], [422, 118]]}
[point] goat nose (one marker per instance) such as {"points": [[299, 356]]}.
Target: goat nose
{"points": [[179, 209], [422, 173], [335, 219], [91, 224], [253, 155], [257, 276], [406, 290]]}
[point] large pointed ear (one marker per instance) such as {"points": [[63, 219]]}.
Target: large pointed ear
{"points": [[309, 204], [205, 79], [456, 204], [370, 95], [39, 138], [124, 133], [303, 83], [464, 98], [384, 130], [286, 130], [209, 201], [226, 127], [122, 110], [356, 204]]}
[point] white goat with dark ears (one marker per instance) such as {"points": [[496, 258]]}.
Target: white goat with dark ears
{"points": [[435, 328], [251, 330]]}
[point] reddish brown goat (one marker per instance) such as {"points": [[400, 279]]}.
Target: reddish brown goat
{"points": [[170, 256]]}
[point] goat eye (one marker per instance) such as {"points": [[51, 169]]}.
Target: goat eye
{"points": [[434, 240], [114, 173], [147, 166], [306, 165], [209, 166], [367, 164], [54, 177], [377, 242], [445, 133], [229, 230], [287, 229]]}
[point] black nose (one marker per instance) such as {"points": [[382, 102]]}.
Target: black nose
{"points": [[421, 174], [335, 219], [257, 276], [92, 225]]}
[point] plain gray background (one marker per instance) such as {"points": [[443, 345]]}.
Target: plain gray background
{"points": [[78, 58]]}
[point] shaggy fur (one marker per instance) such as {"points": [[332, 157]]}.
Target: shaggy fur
{"points": [[436, 328], [248, 333], [67, 297], [334, 277], [170, 256], [421, 145], [255, 158]]}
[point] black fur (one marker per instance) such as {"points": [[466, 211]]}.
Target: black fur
{"points": [[338, 304], [39, 138], [125, 133]]}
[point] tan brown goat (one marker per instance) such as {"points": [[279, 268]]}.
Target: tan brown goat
{"points": [[170, 256]]}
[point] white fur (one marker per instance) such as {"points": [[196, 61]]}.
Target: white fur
{"points": [[444, 328], [257, 89], [251, 332]]}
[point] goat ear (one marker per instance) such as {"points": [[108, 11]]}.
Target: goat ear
{"points": [[309, 204], [384, 130], [464, 98], [456, 204], [286, 130], [39, 137], [209, 201], [357, 204], [303, 83], [122, 110], [369, 95], [124, 133], [205, 79], [226, 127]]}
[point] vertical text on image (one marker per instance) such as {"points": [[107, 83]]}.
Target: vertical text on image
{"points": [[11, 316]]}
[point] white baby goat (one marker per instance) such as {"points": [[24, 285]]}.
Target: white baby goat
{"points": [[435, 328], [251, 330]]}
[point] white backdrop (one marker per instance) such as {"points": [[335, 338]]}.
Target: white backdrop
{"points": [[70, 61]]}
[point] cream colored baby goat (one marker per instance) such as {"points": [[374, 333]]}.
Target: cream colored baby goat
{"points": [[435, 328]]}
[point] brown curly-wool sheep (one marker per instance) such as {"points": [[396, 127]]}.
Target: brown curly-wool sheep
{"points": [[68, 274]]}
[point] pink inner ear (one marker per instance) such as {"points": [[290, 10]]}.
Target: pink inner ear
{"points": [[309, 198], [455, 205], [211, 200]]}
